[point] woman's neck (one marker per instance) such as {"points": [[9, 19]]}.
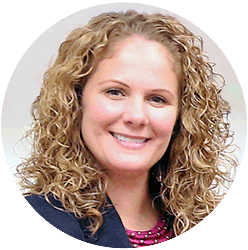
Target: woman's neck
{"points": [[130, 194]]}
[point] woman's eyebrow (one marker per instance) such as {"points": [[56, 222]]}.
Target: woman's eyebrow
{"points": [[161, 90], [115, 81]]}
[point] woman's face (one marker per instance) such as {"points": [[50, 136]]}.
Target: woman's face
{"points": [[130, 106]]}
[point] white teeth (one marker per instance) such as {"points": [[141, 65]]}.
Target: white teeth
{"points": [[124, 138]]}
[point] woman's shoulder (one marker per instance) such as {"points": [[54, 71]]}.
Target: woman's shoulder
{"points": [[53, 213], [111, 234], [40, 202]]}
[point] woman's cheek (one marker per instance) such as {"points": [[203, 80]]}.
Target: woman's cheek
{"points": [[106, 110], [164, 120]]}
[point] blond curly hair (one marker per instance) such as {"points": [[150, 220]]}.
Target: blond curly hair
{"points": [[197, 161]]}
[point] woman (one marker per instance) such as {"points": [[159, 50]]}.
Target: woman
{"points": [[130, 133]]}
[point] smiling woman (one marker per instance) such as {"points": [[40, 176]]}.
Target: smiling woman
{"points": [[132, 114], [130, 133]]}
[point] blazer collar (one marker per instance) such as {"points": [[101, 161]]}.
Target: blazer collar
{"points": [[112, 233]]}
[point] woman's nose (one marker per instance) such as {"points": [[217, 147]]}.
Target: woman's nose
{"points": [[135, 113]]}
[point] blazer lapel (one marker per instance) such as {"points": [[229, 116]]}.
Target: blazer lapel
{"points": [[111, 233]]}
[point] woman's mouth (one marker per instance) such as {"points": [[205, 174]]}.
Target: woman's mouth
{"points": [[129, 138]]}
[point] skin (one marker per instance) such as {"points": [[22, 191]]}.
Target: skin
{"points": [[130, 106]]}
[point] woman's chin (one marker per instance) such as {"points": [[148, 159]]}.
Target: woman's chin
{"points": [[128, 165]]}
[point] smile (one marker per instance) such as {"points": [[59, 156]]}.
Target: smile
{"points": [[132, 139]]}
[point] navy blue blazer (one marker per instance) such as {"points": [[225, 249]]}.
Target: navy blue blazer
{"points": [[111, 234]]}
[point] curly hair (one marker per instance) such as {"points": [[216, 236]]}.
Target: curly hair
{"points": [[197, 162]]}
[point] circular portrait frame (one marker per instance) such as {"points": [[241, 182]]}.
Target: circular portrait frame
{"points": [[26, 81]]}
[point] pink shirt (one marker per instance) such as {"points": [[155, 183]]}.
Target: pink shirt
{"points": [[158, 234]]}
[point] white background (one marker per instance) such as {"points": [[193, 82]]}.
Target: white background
{"points": [[23, 22]]}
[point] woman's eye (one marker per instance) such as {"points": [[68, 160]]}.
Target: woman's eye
{"points": [[115, 92], [158, 100]]}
